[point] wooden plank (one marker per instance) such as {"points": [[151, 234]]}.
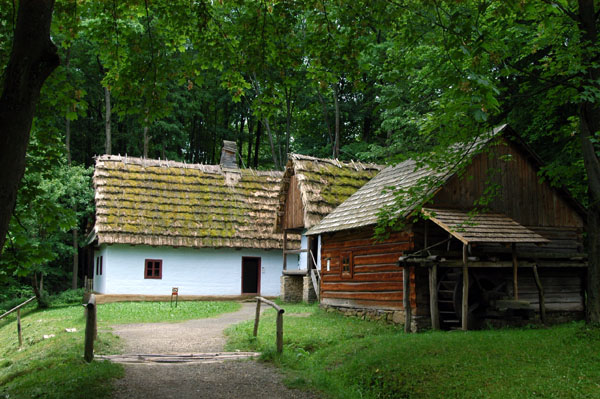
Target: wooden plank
{"points": [[366, 277], [379, 296], [376, 258], [351, 286]]}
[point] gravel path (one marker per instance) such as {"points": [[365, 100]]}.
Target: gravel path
{"points": [[228, 379]]}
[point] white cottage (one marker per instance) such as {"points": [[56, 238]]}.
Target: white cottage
{"points": [[206, 229]]}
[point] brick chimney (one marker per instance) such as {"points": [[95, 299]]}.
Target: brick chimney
{"points": [[229, 155]]}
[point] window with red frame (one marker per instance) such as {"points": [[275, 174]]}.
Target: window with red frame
{"points": [[153, 268]]}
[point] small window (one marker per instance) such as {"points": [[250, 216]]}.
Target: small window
{"points": [[97, 265], [153, 268], [101, 265], [346, 264]]}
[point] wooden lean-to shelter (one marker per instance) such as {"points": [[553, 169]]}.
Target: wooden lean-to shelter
{"points": [[206, 229], [491, 244], [311, 188]]}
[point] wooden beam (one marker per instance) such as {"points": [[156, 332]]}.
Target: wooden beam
{"points": [[465, 291], [542, 299], [433, 298], [406, 298], [515, 264]]}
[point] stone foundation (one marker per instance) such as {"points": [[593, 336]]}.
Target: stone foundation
{"points": [[291, 288], [383, 315], [308, 291]]}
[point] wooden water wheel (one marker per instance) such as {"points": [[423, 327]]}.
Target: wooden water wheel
{"points": [[482, 289]]}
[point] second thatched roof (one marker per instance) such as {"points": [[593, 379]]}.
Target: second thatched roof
{"points": [[323, 185]]}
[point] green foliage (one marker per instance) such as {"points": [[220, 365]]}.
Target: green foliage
{"points": [[346, 357]]}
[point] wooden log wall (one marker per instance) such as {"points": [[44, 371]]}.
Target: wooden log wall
{"points": [[375, 280]]}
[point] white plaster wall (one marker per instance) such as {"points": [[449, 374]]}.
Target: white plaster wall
{"points": [[100, 280], [194, 271], [303, 258]]}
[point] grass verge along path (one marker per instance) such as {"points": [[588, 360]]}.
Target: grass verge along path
{"points": [[54, 367], [350, 358]]}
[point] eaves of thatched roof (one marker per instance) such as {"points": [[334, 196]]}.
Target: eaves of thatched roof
{"points": [[323, 185], [149, 202]]}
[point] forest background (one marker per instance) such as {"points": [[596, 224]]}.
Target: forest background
{"points": [[376, 81]]}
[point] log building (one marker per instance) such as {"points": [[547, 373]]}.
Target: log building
{"points": [[463, 258]]}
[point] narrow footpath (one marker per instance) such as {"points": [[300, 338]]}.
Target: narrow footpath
{"points": [[214, 378]]}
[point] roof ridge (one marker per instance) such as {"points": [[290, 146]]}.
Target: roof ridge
{"points": [[165, 163], [358, 165]]}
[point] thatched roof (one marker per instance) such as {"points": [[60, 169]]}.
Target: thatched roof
{"points": [[323, 184], [363, 207], [140, 201]]}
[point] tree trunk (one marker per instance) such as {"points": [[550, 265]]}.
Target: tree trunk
{"points": [[257, 145], [240, 139], [324, 107], [273, 152], [336, 144], [107, 120], [250, 127], [288, 124], [146, 141], [589, 125], [32, 59]]}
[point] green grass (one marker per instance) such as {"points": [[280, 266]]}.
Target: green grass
{"points": [[54, 367], [349, 358], [154, 312]]}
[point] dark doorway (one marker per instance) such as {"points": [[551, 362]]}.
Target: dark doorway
{"points": [[250, 275]]}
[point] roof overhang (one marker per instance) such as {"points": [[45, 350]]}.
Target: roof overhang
{"points": [[471, 227]]}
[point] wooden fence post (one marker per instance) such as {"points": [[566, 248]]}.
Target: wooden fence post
{"points": [[280, 331], [90, 329], [257, 318], [433, 297], [19, 327]]}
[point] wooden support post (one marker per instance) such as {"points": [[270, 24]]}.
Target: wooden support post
{"points": [[284, 249], [90, 329], [257, 317], [515, 263], [406, 298], [465, 291], [433, 298], [19, 327], [279, 332], [542, 299]]}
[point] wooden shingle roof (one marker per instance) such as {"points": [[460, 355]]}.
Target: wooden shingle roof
{"points": [[364, 206], [323, 183], [141, 201], [482, 227]]}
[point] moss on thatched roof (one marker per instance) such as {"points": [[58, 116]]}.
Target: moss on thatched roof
{"points": [[323, 184], [140, 201]]}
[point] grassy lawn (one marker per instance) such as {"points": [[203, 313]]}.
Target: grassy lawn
{"points": [[54, 367], [350, 358]]}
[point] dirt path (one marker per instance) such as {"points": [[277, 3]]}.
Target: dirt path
{"points": [[226, 379]]}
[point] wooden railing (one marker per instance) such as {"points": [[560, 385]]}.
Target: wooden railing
{"points": [[279, 325], [91, 328], [18, 310]]}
